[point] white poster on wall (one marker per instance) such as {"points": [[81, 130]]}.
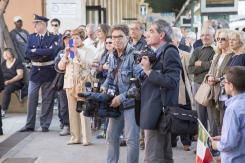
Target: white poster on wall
{"points": [[71, 13]]}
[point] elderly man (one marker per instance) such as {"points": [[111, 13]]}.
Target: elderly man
{"points": [[137, 39], [118, 76], [199, 65], [19, 37], [41, 50], [161, 82]]}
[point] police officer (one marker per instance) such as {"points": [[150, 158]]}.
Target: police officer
{"points": [[41, 50]]}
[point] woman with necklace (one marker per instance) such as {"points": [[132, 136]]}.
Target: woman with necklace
{"points": [[13, 72]]}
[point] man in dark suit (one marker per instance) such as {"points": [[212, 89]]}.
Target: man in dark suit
{"points": [[162, 81], [41, 49]]}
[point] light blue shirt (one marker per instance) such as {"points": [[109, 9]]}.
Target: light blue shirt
{"points": [[232, 143]]}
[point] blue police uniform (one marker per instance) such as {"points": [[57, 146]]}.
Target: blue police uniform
{"points": [[41, 50], [46, 51]]}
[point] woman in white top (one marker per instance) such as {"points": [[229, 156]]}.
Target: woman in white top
{"points": [[77, 62]]}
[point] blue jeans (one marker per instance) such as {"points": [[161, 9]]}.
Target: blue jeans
{"points": [[114, 130]]}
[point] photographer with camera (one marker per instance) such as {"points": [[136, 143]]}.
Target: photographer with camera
{"points": [[119, 76], [162, 80]]}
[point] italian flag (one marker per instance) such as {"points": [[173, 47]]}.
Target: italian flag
{"points": [[203, 154]]}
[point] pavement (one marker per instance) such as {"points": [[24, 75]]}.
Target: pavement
{"points": [[49, 147]]}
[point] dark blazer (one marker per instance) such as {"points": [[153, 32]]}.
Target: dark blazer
{"points": [[46, 50], [165, 75]]}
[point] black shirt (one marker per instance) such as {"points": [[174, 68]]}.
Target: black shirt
{"points": [[9, 73]]}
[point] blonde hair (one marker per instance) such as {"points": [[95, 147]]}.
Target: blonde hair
{"points": [[241, 36], [78, 32], [226, 33]]}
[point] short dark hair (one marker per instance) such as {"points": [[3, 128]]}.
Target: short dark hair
{"points": [[121, 27], [10, 50], [105, 29], [236, 75], [55, 20]]}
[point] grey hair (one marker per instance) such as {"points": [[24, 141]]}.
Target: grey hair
{"points": [[209, 30], [192, 36], [177, 34], [163, 26], [92, 26]]}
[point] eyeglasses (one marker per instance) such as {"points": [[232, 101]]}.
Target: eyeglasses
{"points": [[221, 39], [117, 37], [108, 42], [54, 25]]}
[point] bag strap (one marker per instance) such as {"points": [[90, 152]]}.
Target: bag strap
{"points": [[20, 36], [161, 57]]}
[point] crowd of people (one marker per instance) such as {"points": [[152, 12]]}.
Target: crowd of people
{"points": [[108, 57]]}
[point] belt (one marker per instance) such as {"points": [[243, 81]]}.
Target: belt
{"points": [[42, 63]]}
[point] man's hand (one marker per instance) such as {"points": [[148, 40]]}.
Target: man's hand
{"points": [[7, 82], [198, 63], [115, 102], [103, 90], [33, 50], [214, 144], [211, 80]]}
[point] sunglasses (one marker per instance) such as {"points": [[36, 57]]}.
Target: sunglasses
{"points": [[54, 25], [220, 39], [108, 42]]}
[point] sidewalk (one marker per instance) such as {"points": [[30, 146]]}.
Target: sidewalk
{"points": [[51, 148]]}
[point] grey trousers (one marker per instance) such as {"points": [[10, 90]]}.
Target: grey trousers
{"points": [[158, 147], [47, 104], [205, 114], [63, 108]]}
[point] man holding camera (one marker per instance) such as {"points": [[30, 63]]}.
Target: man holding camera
{"points": [[161, 81], [119, 76]]}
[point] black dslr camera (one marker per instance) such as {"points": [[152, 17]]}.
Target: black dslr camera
{"points": [[98, 104]]}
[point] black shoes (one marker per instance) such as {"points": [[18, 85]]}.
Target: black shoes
{"points": [[26, 129], [44, 129], [1, 131]]}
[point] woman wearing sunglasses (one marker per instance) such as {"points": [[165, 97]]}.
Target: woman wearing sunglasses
{"points": [[217, 69]]}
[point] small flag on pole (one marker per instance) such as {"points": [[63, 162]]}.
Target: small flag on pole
{"points": [[203, 154]]}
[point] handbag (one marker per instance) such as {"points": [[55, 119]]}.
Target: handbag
{"points": [[203, 94], [58, 82], [178, 121]]}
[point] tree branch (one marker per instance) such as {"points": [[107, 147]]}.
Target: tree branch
{"points": [[3, 6]]}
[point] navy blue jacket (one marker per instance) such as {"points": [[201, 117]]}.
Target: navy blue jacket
{"points": [[165, 75], [46, 50]]}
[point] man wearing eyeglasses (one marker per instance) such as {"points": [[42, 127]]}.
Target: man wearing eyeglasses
{"points": [[199, 65], [119, 75], [137, 39]]}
